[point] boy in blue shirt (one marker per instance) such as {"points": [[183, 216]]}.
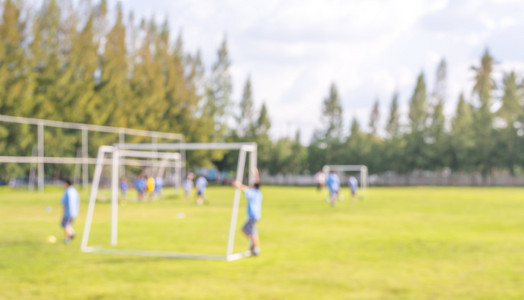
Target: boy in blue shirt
{"points": [[71, 203], [159, 183], [123, 188], [333, 184], [353, 185], [201, 184], [140, 185], [254, 211]]}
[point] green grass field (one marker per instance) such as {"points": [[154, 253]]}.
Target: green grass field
{"points": [[398, 243]]}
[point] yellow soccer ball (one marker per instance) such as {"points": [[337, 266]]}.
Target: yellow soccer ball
{"points": [[51, 239]]}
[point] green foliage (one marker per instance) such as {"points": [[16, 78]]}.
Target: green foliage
{"points": [[482, 115], [393, 123], [246, 119], [438, 149], [463, 137], [332, 116], [415, 153], [218, 94], [511, 100], [374, 118], [88, 63]]}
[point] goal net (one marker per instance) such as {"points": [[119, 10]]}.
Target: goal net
{"points": [[119, 153], [362, 171]]}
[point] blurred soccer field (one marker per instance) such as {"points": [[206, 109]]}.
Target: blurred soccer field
{"points": [[396, 243]]}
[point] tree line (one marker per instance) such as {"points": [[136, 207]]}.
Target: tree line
{"points": [[485, 135], [76, 61]]}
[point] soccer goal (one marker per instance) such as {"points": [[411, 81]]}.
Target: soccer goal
{"points": [[120, 151], [361, 169]]}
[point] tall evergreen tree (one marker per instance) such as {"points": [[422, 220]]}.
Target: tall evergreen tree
{"points": [[14, 64], [45, 49], [415, 152], [417, 106], [179, 115], [393, 143], [507, 137], [15, 86], [141, 82], [463, 137], [218, 93], [245, 120], [510, 108], [374, 118], [154, 118], [78, 89], [393, 122], [436, 135], [262, 136], [375, 143], [332, 116], [113, 101], [485, 142]]}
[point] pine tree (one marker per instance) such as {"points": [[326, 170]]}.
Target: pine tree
{"points": [[45, 50], [463, 137], [262, 137], [511, 99], [79, 87], [177, 92], [393, 123], [245, 120], [374, 118], [436, 135], [417, 106], [415, 152], [357, 146], [507, 137], [192, 104], [218, 94], [392, 145], [112, 103], [332, 116], [15, 87], [485, 142]]}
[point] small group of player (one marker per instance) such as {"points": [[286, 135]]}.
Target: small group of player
{"points": [[200, 186], [144, 185], [71, 202], [332, 182]]}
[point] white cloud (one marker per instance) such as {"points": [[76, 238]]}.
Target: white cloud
{"points": [[295, 49]]}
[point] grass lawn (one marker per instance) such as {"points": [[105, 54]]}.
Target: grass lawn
{"points": [[397, 243]]}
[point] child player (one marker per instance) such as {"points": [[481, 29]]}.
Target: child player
{"points": [[188, 185], [123, 188], [71, 202], [254, 211], [200, 185], [333, 184], [353, 186]]}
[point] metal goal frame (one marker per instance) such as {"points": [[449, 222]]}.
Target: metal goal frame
{"points": [[119, 151]]}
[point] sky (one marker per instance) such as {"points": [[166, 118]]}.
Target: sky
{"points": [[293, 50]]}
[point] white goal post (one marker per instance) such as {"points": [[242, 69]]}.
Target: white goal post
{"points": [[142, 150], [362, 169]]}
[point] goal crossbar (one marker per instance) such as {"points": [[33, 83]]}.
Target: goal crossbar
{"points": [[123, 150]]}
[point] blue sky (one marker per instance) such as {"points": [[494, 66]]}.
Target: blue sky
{"points": [[294, 49]]}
